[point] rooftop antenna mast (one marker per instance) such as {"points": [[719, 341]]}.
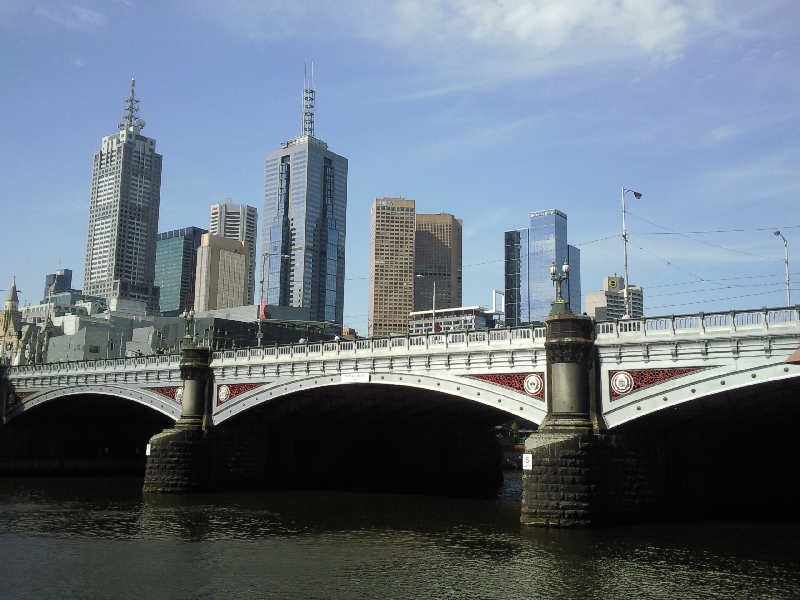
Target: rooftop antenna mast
{"points": [[131, 115], [308, 101]]}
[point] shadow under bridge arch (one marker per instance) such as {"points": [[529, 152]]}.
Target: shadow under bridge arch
{"points": [[376, 436]]}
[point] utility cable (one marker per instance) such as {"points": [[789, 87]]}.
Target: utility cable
{"points": [[701, 241]]}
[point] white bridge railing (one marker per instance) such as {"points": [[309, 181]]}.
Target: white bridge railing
{"points": [[744, 323], [398, 345], [753, 322]]}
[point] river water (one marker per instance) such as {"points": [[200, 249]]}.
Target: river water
{"points": [[102, 538]]}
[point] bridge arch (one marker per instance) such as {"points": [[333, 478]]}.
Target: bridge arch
{"points": [[693, 391], [469, 390], [15, 407]]}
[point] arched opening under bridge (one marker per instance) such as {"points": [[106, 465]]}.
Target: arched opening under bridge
{"points": [[376, 437], [80, 434], [729, 455]]}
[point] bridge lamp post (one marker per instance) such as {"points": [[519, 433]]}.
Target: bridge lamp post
{"points": [[559, 306], [264, 257], [636, 195], [188, 318], [433, 310], [786, 261]]}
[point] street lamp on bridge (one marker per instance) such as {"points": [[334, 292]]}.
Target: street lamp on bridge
{"points": [[264, 257], [433, 310], [636, 195], [786, 260]]}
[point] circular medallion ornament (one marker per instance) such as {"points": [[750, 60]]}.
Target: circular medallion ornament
{"points": [[622, 382], [534, 384], [223, 393], [179, 395]]}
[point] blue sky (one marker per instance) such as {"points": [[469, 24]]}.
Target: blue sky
{"points": [[487, 110]]}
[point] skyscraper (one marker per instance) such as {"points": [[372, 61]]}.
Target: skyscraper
{"points": [[528, 256], [238, 222], [304, 228], [391, 268], [123, 217], [222, 267], [437, 258], [176, 264]]}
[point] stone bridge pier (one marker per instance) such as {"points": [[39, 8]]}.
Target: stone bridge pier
{"points": [[579, 475], [193, 455]]}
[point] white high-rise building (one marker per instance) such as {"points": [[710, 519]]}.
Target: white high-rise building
{"points": [[609, 303], [238, 222], [123, 217], [304, 223]]}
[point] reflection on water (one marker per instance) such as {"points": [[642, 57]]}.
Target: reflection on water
{"points": [[100, 537]]}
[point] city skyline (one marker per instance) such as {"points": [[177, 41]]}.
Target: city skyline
{"points": [[695, 106]]}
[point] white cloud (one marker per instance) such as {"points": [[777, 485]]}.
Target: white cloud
{"points": [[86, 16], [503, 39], [73, 16]]}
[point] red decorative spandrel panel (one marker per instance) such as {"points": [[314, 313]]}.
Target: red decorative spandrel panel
{"points": [[226, 391], [173, 393], [531, 384], [622, 383]]}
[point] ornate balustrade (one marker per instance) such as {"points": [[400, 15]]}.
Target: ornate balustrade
{"points": [[723, 324]]}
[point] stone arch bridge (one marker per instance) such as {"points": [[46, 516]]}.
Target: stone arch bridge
{"points": [[641, 367]]}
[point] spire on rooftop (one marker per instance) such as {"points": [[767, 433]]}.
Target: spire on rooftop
{"points": [[308, 100], [130, 116]]}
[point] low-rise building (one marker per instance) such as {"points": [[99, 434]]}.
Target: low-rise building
{"points": [[450, 319], [609, 303]]}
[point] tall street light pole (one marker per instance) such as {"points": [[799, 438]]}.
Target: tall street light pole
{"points": [[264, 257], [786, 260], [637, 195], [433, 311]]}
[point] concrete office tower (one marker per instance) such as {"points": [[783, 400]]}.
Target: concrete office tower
{"points": [[123, 218], [238, 222], [528, 256], [176, 265], [391, 268], [437, 258], [222, 267], [609, 303], [303, 227]]}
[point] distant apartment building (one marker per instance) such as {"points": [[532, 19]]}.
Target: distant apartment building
{"points": [[437, 261], [176, 266], [609, 303], [222, 273], [237, 222], [529, 252], [450, 319], [391, 274], [60, 281]]}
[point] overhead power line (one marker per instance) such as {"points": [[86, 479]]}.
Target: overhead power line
{"points": [[701, 241]]}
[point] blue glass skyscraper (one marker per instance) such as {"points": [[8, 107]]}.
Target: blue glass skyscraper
{"points": [[176, 262], [303, 226], [528, 256]]}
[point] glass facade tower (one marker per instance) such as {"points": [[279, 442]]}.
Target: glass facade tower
{"points": [[304, 228], [528, 256], [176, 264]]}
